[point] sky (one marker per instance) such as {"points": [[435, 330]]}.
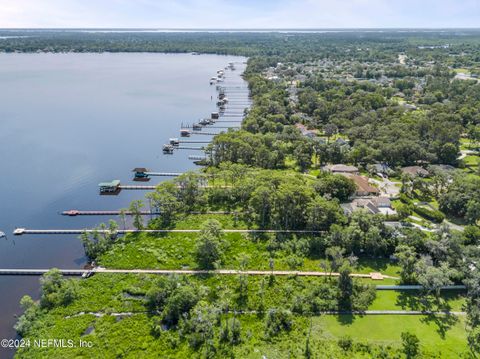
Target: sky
{"points": [[239, 14]]}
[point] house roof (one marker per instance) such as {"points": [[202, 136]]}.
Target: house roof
{"points": [[415, 171], [343, 168], [382, 201], [305, 131], [114, 183], [362, 184]]}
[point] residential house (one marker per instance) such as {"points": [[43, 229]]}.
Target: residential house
{"points": [[372, 205], [415, 171], [305, 131], [363, 187], [341, 168]]}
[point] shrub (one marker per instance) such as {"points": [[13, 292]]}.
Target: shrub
{"points": [[345, 343], [277, 321], [432, 215]]}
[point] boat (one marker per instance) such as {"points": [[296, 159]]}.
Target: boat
{"points": [[197, 127], [185, 133], [174, 141], [168, 149], [2, 235]]}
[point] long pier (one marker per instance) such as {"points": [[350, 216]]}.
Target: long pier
{"points": [[193, 141], [135, 187], [197, 157], [190, 148], [81, 272], [223, 127], [204, 133], [76, 212], [164, 174], [22, 231]]}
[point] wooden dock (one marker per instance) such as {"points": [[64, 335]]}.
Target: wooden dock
{"points": [[193, 141], [163, 174], [191, 148], [197, 157], [87, 272], [22, 231], [205, 133], [136, 187], [76, 212]]}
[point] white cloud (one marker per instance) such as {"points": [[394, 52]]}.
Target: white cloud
{"points": [[239, 13]]}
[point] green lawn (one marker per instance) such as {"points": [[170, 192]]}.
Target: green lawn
{"points": [[411, 300], [444, 335]]}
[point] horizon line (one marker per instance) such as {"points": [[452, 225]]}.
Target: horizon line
{"points": [[241, 28]]}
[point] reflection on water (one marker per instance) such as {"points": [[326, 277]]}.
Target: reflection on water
{"points": [[70, 121]]}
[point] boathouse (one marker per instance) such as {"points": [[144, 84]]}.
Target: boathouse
{"points": [[109, 187], [140, 172]]}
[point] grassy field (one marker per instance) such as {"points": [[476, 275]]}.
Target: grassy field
{"points": [[443, 335], [411, 300], [132, 336]]}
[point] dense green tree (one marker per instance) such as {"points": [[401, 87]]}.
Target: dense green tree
{"points": [[208, 248], [55, 290], [136, 208], [407, 258], [410, 344], [165, 201]]}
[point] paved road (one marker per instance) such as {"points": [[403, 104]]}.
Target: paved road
{"points": [[387, 187]]}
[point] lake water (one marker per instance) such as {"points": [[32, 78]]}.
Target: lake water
{"points": [[70, 121]]}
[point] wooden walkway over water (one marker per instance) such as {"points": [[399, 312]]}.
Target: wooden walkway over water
{"points": [[22, 231], [76, 212], [79, 272]]}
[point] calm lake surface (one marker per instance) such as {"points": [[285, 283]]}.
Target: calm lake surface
{"points": [[70, 121]]}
